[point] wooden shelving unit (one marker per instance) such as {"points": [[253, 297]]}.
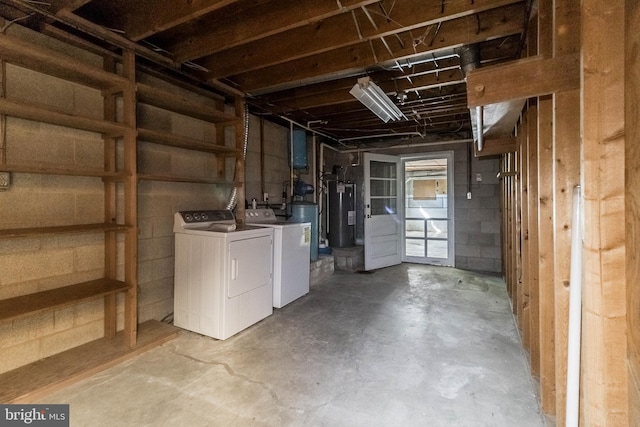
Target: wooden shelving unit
{"points": [[119, 136], [61, 229], [175, 103], [14, 308]]}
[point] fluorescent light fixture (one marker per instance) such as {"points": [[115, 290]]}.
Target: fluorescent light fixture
{"points": [[376, 100]]}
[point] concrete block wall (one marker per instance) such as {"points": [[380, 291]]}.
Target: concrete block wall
{"points": [[478, 244], [275, 139]]}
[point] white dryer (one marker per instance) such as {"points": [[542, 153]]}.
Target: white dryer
{"points": [[223, 273], [291, 254]]}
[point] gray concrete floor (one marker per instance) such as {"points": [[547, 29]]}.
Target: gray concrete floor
{"points": [[409, 345]]}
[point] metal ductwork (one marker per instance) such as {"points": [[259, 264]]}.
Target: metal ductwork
{"points": [[470, 60], [469, 57]]}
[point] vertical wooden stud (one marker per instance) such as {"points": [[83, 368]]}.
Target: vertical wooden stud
{"points": [[110, 205], [566, 173], [545, 220], [532, 204], [524, 233], [604, 372], [545, 255], [632, 203], [130, 200]]}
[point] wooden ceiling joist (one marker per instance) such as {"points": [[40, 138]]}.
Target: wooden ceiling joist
{"points": [[229, 30], [454, 33], [338, 31]]}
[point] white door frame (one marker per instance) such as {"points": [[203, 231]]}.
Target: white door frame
{"points": [[450, 260]]}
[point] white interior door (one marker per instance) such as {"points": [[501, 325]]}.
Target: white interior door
{"points": [[382, 211]]}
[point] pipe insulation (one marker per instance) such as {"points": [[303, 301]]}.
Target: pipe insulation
{"points": [[480, 126], [575, 315], [233, 196]]}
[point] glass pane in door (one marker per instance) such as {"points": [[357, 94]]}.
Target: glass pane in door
{"points": [[428, 209]]}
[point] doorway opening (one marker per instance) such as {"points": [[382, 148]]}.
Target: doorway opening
{"points": [[428, 234]]}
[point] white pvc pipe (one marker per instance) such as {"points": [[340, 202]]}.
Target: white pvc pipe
{"points": [[575, 316], [480, 121]]}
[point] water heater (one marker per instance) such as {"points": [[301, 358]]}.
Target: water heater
{"points": [[341, 201]]}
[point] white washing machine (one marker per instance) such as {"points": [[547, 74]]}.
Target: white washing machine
{"points": [[223, 273], [291, 254]]}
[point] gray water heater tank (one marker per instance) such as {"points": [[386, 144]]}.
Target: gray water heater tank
{"points": [[307, 212], [341, 201]]}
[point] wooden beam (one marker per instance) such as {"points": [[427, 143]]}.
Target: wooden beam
{"points": [[71, 5], [84, 25], [148, 18], [524, 78], [632, 205], [604, 342], [455, 33], [492, 147], [236, 27], [337, 92], [339, 31]]}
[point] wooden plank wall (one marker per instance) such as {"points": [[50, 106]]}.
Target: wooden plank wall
{"points": [[565, 139], [632, 203]]}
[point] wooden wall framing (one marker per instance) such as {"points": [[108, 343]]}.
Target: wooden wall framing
{"points": [[569, 137]]}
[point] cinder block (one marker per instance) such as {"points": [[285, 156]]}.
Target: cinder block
{"points": [[154, 205], [490, 227], [491, 252], [163, 268], [18, 355], [480, 264], [59, 342], [89, 152], [162, 226], [89, 208], [15, 268], [468, 251], [154, 161], [88, 312], [187, 126], [89, 258]]}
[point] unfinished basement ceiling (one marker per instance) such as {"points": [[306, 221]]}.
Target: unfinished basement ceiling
{"points": [[298, 59]]}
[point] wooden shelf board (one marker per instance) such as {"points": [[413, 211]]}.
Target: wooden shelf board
{"points": [[179, 141], [195, 180], [55, 170], [36, 380], [16, 307], [43, 114], [63, 229], [178, 104], [25, 54]]}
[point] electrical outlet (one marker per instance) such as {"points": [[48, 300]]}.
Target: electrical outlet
{"points": [[5, 180]]}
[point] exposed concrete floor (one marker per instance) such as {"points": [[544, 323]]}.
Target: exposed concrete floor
{"points": [[409, 345]]}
